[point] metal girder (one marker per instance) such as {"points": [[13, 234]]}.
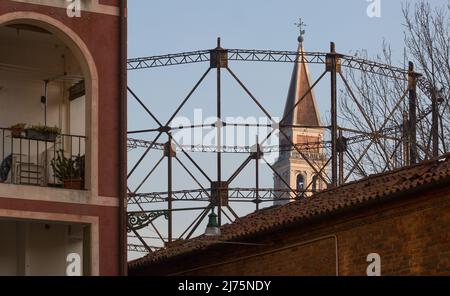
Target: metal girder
{"points": [[139, 143], [137, 248], [140, 248], [142, 198], [256, 55], [278, 56], [234, 194], [233, 55], [425, 86], [168, 60], [373, 67]]}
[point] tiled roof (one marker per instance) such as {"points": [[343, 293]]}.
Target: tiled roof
{"points": [[351, 194]]}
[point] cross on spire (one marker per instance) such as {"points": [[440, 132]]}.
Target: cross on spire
{"points": [[300, 25]]}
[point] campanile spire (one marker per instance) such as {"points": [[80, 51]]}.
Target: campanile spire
{"points": [[302, 126]]}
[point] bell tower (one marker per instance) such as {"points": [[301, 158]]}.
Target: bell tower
{"points": [[302, 125]]}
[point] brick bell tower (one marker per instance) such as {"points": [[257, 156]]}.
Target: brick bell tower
{"points": [[302, 125]]}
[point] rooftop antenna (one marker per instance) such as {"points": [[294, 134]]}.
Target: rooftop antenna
{"points": [[300, 25]]}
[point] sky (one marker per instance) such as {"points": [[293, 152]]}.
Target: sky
{"points": [[171, 26], [159, 27]]}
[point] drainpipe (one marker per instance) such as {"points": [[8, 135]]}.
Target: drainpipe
{"points": [[123, 268]]}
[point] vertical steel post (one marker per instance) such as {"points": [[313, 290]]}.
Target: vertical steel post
{"points": [[45, 101], [395, 155], [334, 132], [219, 134], [435, 122], [257, 173], [169, 186], [341, 158], [405, 140], [441, 124], [412, 84]]}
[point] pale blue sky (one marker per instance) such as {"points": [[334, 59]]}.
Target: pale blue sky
{"points": [[162, 26], [167, 26]]}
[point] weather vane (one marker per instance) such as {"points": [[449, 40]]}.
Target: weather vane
{"points": [[300, 25]]}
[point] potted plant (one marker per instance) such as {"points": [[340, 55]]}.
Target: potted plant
{"points": [[42, 133], [69, 170], [17, 130]]}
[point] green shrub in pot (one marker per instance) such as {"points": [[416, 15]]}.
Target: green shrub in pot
{"points": [[69, 170]]}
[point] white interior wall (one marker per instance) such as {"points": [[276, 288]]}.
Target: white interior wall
{"points": [[22, 75], [38, 248], [8, 248], [20, 102], [77, 123], [45, 249]]}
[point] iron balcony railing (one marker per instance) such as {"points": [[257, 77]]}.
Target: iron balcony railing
{"points": [[42, 161]]}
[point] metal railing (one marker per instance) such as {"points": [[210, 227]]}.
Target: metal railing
{"points": [[42, 161]]}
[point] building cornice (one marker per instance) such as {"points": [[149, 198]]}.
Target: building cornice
{"points": [[92, 6]]}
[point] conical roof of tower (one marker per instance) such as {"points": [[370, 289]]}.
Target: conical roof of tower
{"points": [[306, 112]]}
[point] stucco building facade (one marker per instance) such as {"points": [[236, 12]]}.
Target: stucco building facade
{"points": [[62, 66]]}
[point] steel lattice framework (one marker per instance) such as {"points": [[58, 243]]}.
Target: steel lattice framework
{"points": [[145, 207], [253, 55]]}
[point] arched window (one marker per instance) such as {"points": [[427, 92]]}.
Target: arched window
{"points": [[314, 183], [300, 182]]}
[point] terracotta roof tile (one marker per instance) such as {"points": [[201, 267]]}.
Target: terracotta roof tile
{"points": [[348, 195]]}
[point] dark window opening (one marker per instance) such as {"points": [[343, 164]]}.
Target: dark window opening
{"points": [[300, 182]]}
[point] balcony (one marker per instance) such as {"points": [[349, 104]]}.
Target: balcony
{"points": [[40, 90], [49, 162]]}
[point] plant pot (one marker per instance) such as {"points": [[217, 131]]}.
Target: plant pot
{"points": [[76, 184], [16, 132], [36, 135]]}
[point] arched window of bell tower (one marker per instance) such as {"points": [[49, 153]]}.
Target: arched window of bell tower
{"points": [[300, 182]]}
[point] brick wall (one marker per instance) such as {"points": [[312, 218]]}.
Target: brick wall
{"points": [[414, 239], [297, 259], [411, 234]]}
